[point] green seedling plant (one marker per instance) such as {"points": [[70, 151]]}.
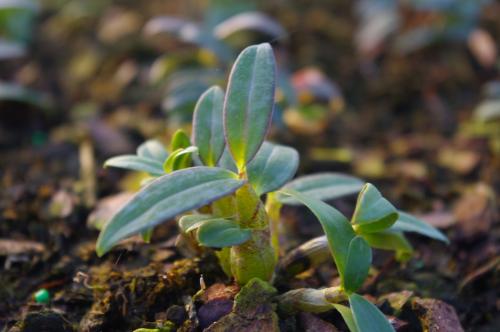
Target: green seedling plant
{"points": [[227, 186]]}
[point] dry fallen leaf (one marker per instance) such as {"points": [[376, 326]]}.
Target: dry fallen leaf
{"points": [[18, 247], [106, 208], [459, 161], [476, 210], [483, 47]]}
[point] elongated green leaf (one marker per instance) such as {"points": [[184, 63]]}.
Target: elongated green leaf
{"points": [[220, 233], [323, 186], [208, 132], [359, 259], [389, 240], [348, 317], [367, 316], [180, 140], [408, 223], [179, 159], [249, 102], [272, 167], [136, 163], [373, 212], [337, 228], [165, 198], [152, 149]]}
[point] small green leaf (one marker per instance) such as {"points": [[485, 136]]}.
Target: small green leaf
{"points": [[147, 235], [272, 167], [150, 157], [179, 159], [165, 198], [359, 259], [180, 140], [408, 223], [389, 240], [220, 233], [373, 212], [367, 316], [152, 149], [208, 132], [348, 317], [136, 163], [249, 102], [323, 186], [191, 222], [337, 228]]}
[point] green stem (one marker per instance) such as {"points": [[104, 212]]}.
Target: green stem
{"points": [[273, 208], [254, 258]]}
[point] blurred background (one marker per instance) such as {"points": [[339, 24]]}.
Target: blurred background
{"points": [[402, 93]]}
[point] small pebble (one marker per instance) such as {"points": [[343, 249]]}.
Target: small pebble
{"points": [[42, 296]]}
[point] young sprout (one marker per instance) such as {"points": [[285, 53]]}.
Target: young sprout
{"points": [[374, 223], [217, 182]]}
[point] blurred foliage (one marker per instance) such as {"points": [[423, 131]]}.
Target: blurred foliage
{"points": [[206, 49]]}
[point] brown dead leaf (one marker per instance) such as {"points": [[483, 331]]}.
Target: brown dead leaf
{"points": [[459, 161], [476, 210], [106, 208], [483, 47], [17, 247]]}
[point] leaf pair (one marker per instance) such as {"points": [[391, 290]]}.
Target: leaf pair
{"points": [[238, 122], [375, 223], [351, 253], [350, 250], [243, 115]]}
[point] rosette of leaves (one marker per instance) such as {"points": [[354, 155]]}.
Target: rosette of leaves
{"points": [[231, 168], [219, 179]]}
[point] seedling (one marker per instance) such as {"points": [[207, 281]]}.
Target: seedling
{"points": [[219, 193]]}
